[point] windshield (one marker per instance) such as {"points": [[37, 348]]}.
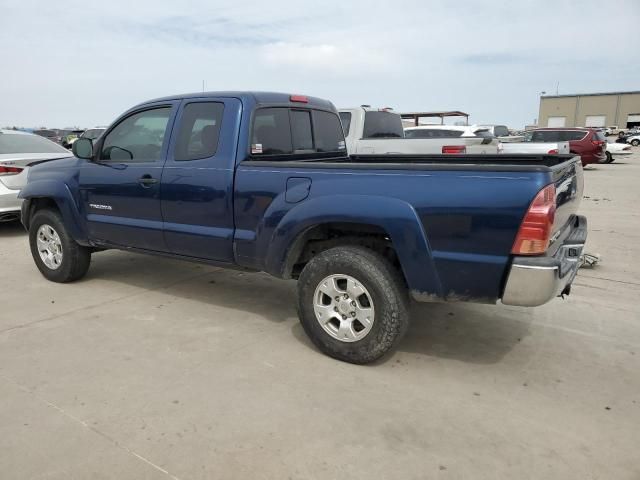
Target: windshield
{"points": [[382, 125], [21, 143]]}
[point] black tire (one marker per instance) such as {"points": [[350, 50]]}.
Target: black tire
{"points": [[635, 143], [610, 158], [75, 258], [386, 287]]}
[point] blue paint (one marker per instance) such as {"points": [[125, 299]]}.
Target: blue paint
{"points": [[452, 230]]}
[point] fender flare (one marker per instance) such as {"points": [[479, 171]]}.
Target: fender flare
{"points": [[61, 195], [396, 217]]}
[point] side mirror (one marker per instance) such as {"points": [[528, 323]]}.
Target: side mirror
{"points": [[83, 148]]}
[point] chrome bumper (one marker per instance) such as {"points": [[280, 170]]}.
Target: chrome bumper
{"points": [[533, 281]]}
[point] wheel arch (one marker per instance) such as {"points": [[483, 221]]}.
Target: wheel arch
{"points": [[50, 194], [387, 225]]}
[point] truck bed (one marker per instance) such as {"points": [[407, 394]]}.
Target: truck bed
{"points": [[498, 162]]}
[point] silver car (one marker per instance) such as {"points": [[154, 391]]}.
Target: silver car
{"points": [[18, 150]]}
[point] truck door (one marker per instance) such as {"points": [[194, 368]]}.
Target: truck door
{"points": [[197, 180], [120, 188]]}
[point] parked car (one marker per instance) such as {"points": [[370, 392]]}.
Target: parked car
{"points": [[616, 149], [91, 134], [589, 143], [551, 148], [502, 133], [18, 150], [380, 131], [262, 181], [633, 139], [624, 137], [69, 136], [49, 134]]}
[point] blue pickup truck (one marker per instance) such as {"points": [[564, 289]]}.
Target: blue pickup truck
{"points": [[263, 182]]}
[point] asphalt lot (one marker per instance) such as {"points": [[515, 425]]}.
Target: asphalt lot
{"points": [[153, 368]]}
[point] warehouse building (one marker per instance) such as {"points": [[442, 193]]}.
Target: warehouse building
{"points": [[621, 109]]}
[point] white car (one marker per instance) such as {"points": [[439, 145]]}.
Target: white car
{"points": [[634, 140], [17, 151], [616, 149]]}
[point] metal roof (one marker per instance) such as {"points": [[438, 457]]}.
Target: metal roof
{"points": [[450, 113], [633, 92]]}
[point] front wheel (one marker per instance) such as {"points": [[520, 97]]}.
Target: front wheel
{"points": [[635, 143], [352, 304], [56, 254]]}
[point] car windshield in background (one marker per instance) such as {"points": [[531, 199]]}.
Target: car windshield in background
{"points": [[483, 132], [20, 143], [93, 133], [46, 133], [382, 125], [432, 133]]}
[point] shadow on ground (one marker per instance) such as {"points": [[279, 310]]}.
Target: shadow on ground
{"points": [[481, 334], [12, 230]]}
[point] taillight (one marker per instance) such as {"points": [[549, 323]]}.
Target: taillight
{"points": [[598, 143], [553, 151], [299, 99], [9, 170], [537, 225], [454, 149]]}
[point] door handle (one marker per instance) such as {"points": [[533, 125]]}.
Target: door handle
{"points": [[147, 180]]}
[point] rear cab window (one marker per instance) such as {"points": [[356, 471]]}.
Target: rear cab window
{"points": [[500, 131], [285, 131], [382, 124]]}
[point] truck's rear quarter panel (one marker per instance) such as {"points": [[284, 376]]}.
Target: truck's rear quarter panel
{"points": [[467, 219]]}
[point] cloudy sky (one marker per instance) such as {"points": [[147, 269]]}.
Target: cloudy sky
{"points": [[67, 63]]}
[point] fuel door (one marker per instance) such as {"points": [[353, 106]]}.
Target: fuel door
{"points": [[297, 189]]}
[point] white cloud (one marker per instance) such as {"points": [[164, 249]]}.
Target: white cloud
{"points": [[74, 62]]}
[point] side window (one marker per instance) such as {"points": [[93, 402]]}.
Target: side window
{"points": [[345, 119], [137, 138], [199, 131], [271, 132], [301, 131], [328, 132]]}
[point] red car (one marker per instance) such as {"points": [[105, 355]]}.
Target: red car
{"points": [[589, 143]]}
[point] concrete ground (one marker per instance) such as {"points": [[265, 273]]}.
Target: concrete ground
{"points": [[153, 369]]}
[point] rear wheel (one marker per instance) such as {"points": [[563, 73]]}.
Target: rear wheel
{"points": [[608, 157], [56, 254], [635, 143], [352, 304]]}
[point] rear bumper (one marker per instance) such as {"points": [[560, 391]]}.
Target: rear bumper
{"points": [[9, 204], [533, 281], [590, 158]]}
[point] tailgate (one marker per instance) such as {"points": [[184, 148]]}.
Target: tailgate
{"points": [[569, 183]]}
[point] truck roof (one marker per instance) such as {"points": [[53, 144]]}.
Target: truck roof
{"points": [[251, 96]]}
